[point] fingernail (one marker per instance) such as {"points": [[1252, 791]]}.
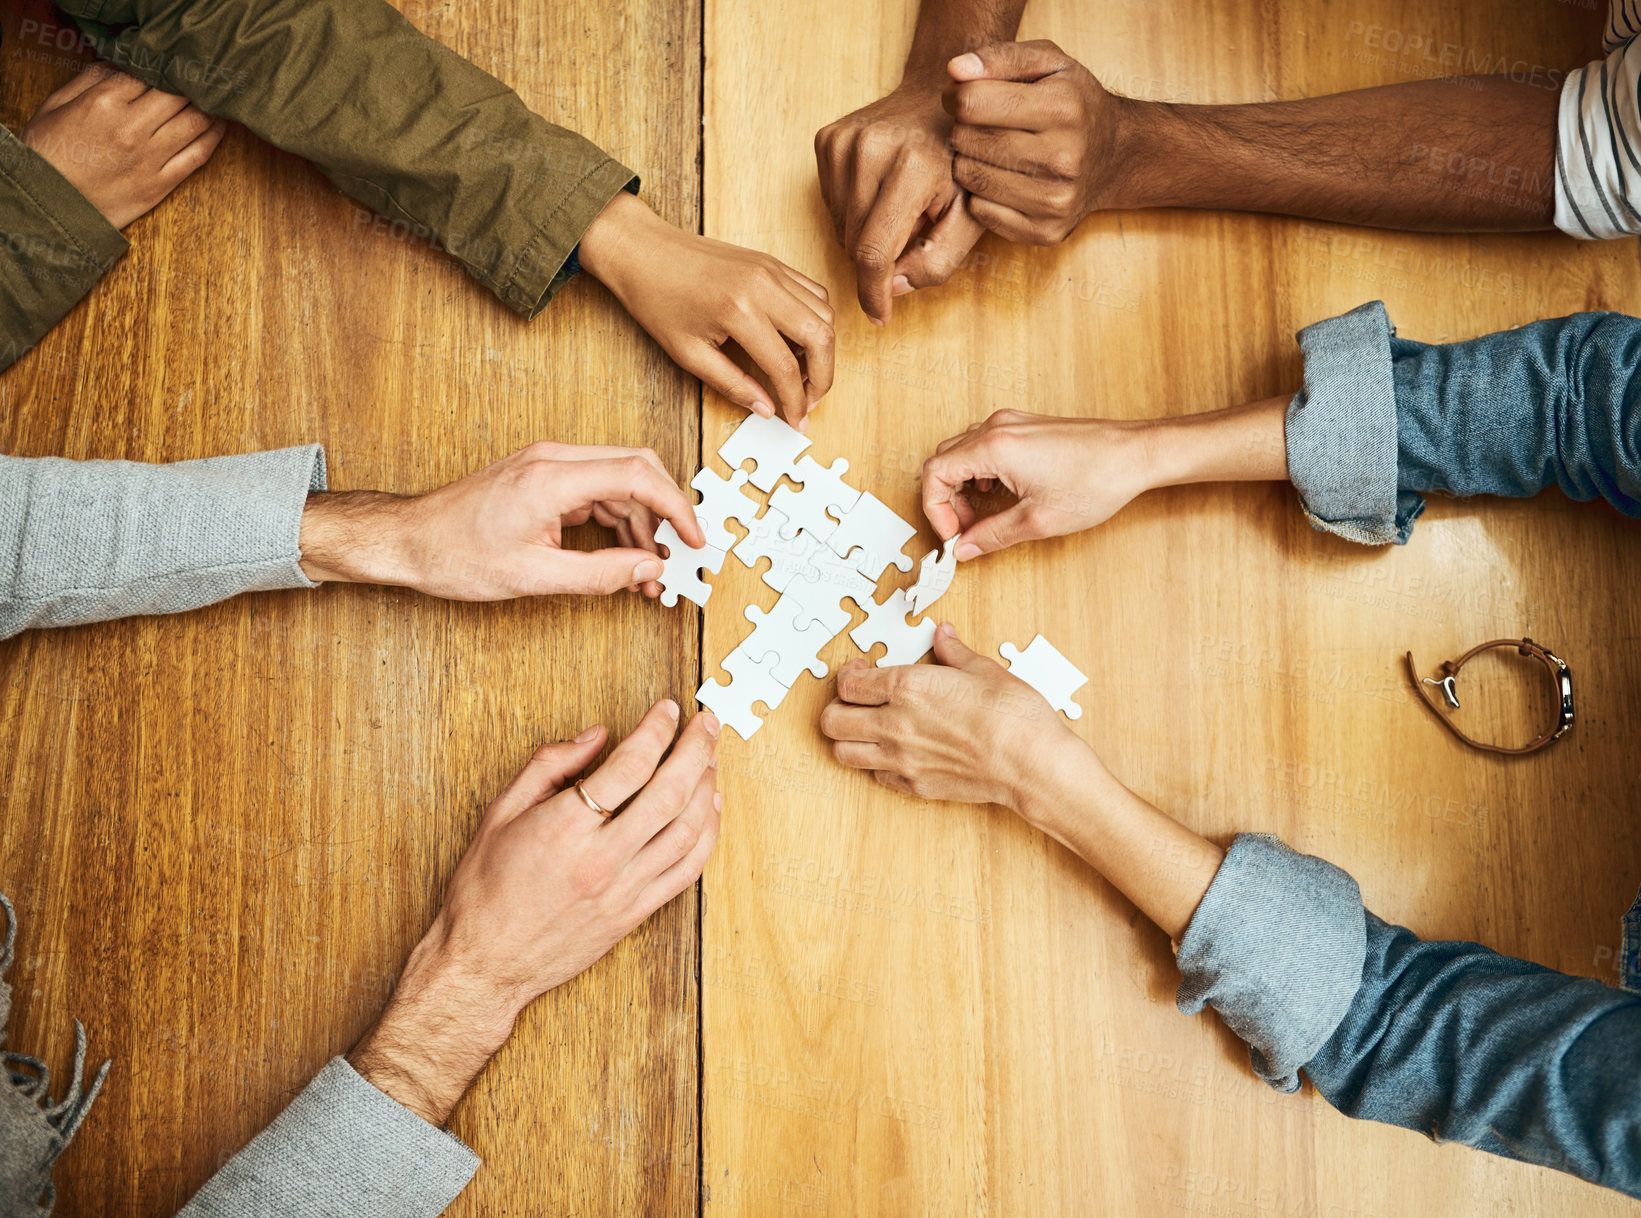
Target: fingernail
{"points": [[901, 285], [648, 569], [588, 734], [947, 629], [709, 722], [670, 708], [717, 801], [967, 63], [803, 423], [967, 550], [877, 321]]}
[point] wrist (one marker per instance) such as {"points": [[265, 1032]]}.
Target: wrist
{"points": [[608, 249], [1139, 155], [1049, 784], [355, 537], [440, 1028]]}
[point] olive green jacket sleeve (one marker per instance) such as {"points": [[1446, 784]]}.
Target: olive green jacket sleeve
{"points": [[396, 120], [57, 245]]}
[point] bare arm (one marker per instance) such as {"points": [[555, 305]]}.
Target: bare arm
{"points": [[968, 730], [1041, 143], [1470, 154]]}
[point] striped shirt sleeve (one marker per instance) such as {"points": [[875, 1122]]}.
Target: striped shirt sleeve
{"points": [[1598, 141]]}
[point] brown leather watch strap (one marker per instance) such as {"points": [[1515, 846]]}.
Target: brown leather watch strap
{"points": [[1560, 680]]}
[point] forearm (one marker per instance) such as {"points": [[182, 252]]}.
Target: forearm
{"points": [[440, 1029], [356, 537], [1469, 1046], [57, 246], [393, 118], [1152, 859], [1239, 444], [946, 28], [1466, 154], [86, 541]]}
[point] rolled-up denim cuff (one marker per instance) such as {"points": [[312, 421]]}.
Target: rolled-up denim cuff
{"points": [[1341, 431], [1276, 947]]}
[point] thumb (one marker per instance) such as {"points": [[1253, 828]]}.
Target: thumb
{"points": [[952, 651], [597, 572], [939, 255], [1020, 61], [997, 532]]}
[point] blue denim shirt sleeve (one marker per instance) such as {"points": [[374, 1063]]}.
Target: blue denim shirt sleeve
{"points": [[1384, 420], [1448, 1038], [1276, 947], [1466, 1045]]}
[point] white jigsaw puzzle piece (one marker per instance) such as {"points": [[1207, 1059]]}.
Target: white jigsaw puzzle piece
{"points": [[907, 642], [721, 500], [1042, 667], [771, 536], [789, 637], [770, 443], [680, 570], [823, 488], [798, 564], [934, 576], [869, 536], [750, 681]]}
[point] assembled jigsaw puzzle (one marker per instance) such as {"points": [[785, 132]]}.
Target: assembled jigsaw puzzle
{"points": [[826, 542]]}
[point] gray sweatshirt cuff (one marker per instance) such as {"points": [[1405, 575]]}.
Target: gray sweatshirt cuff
{"points": [[1341, 431], [86, 541], [342, 1149], [1276, 947]]}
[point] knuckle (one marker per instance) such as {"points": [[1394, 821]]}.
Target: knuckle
{"points": [[1064, 164], [592, 875], [870, 256]]}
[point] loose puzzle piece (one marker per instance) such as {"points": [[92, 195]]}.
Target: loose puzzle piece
{"points": [[934, 576], [886, 623], [789, 637], [750, 681], [1048, 672], [869, 536], [823, 488], [721, 500], [680, 570], [769, 442]]}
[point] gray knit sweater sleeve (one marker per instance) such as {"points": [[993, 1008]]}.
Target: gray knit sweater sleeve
{"points": [[342, 1149], [85, 541]]}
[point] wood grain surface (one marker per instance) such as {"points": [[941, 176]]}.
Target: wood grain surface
{"points": [[224, 831], [916, 1008]]}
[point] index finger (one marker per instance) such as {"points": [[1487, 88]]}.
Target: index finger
{"points": [[882, 236], [943, 477], [863, 684], [996, 103], [635, 478]]}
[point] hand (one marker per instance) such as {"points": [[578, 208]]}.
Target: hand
{"points": [[965, 730], [1037, 139], [546, 888], [1066, 474], [694, 295], [496, 534], [121, 144], [886, 176]]}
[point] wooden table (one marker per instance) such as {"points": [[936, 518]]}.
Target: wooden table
{"points": [[224, 831]]}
